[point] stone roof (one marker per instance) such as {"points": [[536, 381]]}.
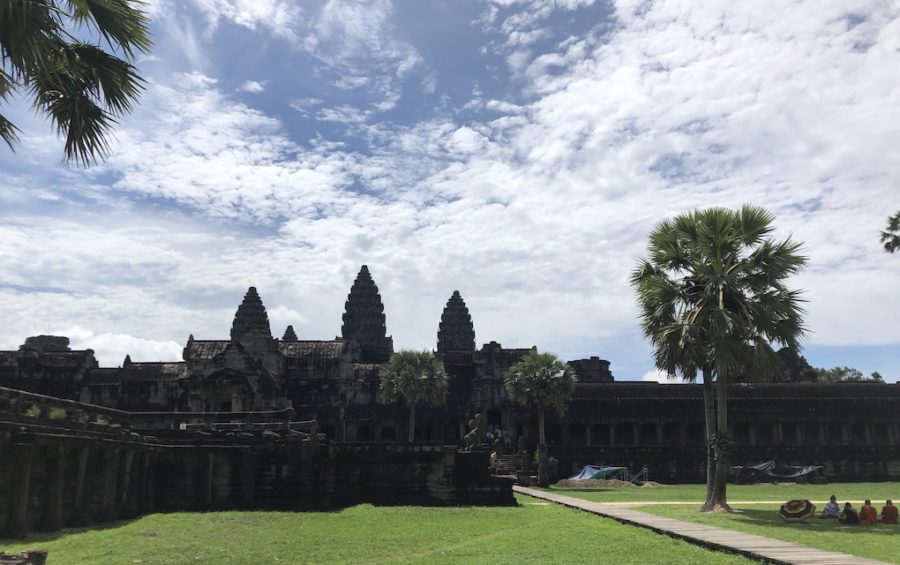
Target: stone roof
{"points": [[205, 348], [331, 350], [103, 376], [153, 371], [60, 359]]}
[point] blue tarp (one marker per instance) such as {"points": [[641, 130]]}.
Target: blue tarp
{"points": [[597, 472]]}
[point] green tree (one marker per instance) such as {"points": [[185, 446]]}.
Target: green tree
{"points": [[846, 375], [713, 300], [544, 381], [890, 237], [82, 88], [413, 377]]}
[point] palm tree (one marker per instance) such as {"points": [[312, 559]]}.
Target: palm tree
{"points": [[891, 236], [713, 300], [413, 377], [545, 381], [79, 86]]}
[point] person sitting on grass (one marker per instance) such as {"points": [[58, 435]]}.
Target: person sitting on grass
{"points": [[867, 514], [849, 515], [831, 509], [889, 513]]}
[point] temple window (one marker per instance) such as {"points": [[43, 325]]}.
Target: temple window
{"points": [[577, 434], [647, 434], [600, 434]]}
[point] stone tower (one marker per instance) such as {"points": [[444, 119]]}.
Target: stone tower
{"points": [[289, 334], [250, 318], [455, 332], [251, 330], [364, 320]]}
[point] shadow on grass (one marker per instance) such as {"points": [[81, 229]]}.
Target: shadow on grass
{"points": [[37, 537], [771, 518]]}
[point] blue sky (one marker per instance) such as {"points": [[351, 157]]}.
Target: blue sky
{"points": [[516, 150]]}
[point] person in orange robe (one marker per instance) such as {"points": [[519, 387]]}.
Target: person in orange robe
{"points": [[889, 513], [868, 514]]}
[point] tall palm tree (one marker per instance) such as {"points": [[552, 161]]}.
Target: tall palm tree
{"points": [[413, 377], [713, 300], [543, 380], [82, 88], [890, 237]]}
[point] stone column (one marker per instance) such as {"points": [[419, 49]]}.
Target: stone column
{"points": [[660, 434], [248, 479], [778, 432], [682, 431], [636, 433], [845, 433], [149, 486], [823, 433], [587, 434], [82, 486], [612, 433], [109, 473], [21, 457], [52, 520], [207, 464], [867, 431], [126, 493], [751, 433]]}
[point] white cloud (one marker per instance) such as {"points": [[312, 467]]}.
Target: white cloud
{"points": [[656, 376], [281, 17], [253, 86], [110, 349], [536, 210]]}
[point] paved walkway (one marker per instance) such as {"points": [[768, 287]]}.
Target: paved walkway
{"points": [[749, 545]]}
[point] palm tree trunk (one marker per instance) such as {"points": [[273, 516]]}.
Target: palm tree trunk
{"points": [[709, 411], [412, 423], [543, 463], [720, 501], [542, 440]]}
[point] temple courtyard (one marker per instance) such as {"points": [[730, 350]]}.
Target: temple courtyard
{"points": [[534, 531]]}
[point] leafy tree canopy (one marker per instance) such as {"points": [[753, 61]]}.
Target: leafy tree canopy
{"points": [[412, 377], [543, 379], [712, 293], [890, 237], [846, 375], [81, 87]]}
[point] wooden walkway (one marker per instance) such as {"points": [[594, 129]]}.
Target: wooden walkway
{"points": [[720, 539]]}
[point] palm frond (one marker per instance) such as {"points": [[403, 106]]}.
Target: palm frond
{"points": [[119, 22], [8, 132]]}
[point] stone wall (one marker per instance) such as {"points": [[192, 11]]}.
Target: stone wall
{"points": [[63, 464]]}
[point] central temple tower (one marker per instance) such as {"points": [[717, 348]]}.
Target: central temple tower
{"points": [[364, 320]]}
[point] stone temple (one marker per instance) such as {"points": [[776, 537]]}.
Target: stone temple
{"points": [[335, 383]]}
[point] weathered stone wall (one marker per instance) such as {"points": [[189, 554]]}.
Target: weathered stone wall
{"points": [[68, 464]]}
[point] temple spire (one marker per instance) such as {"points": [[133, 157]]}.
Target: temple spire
{"points": [[251, 317], [456, 332], [289, 334], [364, 320]]}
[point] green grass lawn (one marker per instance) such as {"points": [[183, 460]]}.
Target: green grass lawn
{"points": [[878, 542], [534, 532], [878, 492]]}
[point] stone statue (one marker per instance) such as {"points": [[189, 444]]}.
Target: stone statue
{"points": [[473, 438]]}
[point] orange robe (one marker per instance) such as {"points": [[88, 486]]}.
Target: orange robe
{"points": [[889, 515], [868, 515]]}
